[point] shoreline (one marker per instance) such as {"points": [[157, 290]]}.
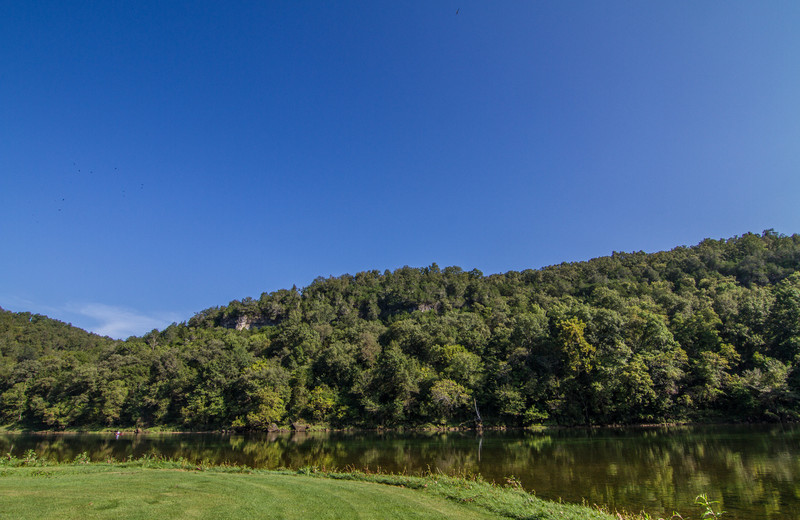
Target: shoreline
{"points": [[310, 429]]}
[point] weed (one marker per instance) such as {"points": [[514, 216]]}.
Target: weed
{"points": [[703, 501], [30, 457], [627, 515], [82, 458]]}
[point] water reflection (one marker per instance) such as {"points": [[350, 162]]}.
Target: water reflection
{"points": [[753, 470]]}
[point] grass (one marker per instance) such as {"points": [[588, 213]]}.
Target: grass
{"points": [[32, 488], [107, 492]]}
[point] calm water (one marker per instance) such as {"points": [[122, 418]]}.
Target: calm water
{"points": [[754, 471]]}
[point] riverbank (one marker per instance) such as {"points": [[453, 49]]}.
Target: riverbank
{"points": [[33, 488], [315, 428]]}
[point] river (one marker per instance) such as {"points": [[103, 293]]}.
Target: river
{"points": [[752, 470]]}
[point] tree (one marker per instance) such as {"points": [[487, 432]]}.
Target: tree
{"points": [[13, 403], [784, 320], [579, 358], [579, 354], [268, 408], [447, 397], [456, 363], [322, 403], [112, 397]]}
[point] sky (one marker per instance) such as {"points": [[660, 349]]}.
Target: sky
{"points": [[161, 158]]}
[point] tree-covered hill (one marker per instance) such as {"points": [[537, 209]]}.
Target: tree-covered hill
{"points": [[696, 333]]}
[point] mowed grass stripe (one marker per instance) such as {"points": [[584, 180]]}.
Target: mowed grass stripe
{"points": [[348, 499], [145, 494]]}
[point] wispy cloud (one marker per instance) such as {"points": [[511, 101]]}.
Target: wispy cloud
{"points": [[120, 323], [107, 320]]}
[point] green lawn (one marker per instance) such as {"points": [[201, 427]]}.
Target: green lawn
{"points": [[95, 491]]}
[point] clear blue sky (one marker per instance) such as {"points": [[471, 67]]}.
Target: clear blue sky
{"points": [[159, 158]]}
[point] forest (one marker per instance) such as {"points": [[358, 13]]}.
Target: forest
{"points": [[704, 333]]}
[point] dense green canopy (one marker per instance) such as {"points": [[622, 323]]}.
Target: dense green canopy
{"points": [[697, 333]]}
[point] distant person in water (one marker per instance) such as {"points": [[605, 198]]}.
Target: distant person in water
{"points": [[118, 434]]}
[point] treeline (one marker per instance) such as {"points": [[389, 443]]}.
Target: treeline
{"points": [[710, 332]]}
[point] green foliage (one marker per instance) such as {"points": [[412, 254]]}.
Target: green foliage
{"points": [[534, 416], [578, 352], [268, 408], [708, 506], [458, 364], [322, 403], [448, 396], [710, 331]]}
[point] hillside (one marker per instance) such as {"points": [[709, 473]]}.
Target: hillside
{"points": [[696, 333]]}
